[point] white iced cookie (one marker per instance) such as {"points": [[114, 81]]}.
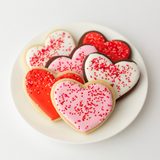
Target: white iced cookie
{"points": [[122, 75], [59, 42]]}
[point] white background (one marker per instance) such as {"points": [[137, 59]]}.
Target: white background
{"points": [[137, 20]]}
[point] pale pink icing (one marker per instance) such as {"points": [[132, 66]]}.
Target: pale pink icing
{"points": [[85, 109], [75, 64]]}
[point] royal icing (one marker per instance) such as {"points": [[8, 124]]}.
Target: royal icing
{"points": [[83, 108], [38, 84], [122, 76], [115, 49], [75, 64], [58, 43]]}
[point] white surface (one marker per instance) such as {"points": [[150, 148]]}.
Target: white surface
{"points": [[124, 113], [137, 20]]}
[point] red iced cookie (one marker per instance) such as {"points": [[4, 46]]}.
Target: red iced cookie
{"points": [[115, 49], [38, 83]]}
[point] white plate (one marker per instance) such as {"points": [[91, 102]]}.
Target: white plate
{"points": [[125, 112]]}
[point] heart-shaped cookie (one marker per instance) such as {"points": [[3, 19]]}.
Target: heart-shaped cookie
{"points": [[122, 75], [84, 107], [73, 62], [38, 83], [59, 42], [115, 49]]}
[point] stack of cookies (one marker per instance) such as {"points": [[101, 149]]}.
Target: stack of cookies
{"points": [[79, 83]]}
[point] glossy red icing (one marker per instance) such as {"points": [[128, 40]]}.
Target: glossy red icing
{"points": [[115, 49], [38, 83]]}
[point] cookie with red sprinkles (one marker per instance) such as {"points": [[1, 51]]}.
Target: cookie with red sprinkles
{"points": [[84, 107], [38, 83], [122, 75], [59, 42], [73, 62], [114, 49]]}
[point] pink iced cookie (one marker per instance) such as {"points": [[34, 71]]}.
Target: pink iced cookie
{"points": [[122, 75], [73, 62], [59, 42], [84, 107]]}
